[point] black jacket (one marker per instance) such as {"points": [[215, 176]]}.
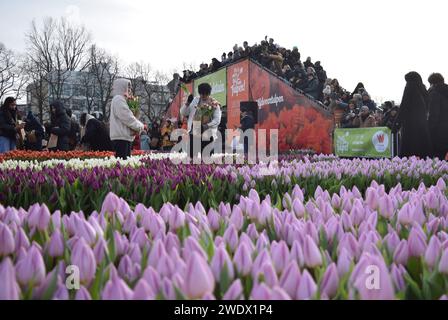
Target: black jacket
{"points": [[415, 139], [438, 119], [8, 123], [61, 126], [97, 136], [33, 124]]}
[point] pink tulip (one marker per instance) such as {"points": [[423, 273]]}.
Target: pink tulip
{"points": [[220, 261], [237, 218], [153, 279], [21, 239], [278, 293], [397, 274], [443, 264], [116, 288], [345, 260], [260, 292], [31, 267], [176, 219], [83, 257], [416, 243], [307, 287], [100, 250], [297, 253], [111, 204], [56, 245], [143, 291], [243, 259], [128, 270], [270, 277], [140, 237], [298, 208], [311, 253], [7, 243], [392, 240], [9, 289], [386, 207], [290, 279], [280, 256], [199, 278], [83, 294], [401, 253], [433, 251], [231, 237], [235, 291], [330, 281], [39, 218]]}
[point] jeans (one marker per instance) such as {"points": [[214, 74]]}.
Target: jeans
{"points": [[122, 148], [7, 144]]}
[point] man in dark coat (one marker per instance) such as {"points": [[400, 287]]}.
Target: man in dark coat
{"points": [[61, 125], [438, 115], [247, 123], [96, 134], [412, 117]]}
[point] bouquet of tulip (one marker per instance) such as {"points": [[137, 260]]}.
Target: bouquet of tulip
{"points": [[205, 111], [134, 105]]}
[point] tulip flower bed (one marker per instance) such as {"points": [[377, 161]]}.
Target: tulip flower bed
{"points": [[154, 180], [27, 155], [321, 248]]}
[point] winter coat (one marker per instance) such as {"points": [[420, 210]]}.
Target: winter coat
{"points": [[415, 139], [313, 88], [61, 126], [32, 124], [97, 136], [368, 122], [122, 120], [438, 119], [8, 123]]}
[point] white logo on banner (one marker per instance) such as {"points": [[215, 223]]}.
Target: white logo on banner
{"points": [[237, 84]]}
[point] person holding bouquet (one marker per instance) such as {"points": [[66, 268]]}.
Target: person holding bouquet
{"points": [[124, 125], [204, 113]]}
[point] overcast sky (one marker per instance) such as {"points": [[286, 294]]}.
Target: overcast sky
{"points": [[372, 41]]}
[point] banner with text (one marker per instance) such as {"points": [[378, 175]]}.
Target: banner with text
{"points": [[238, 82], [363, 142], [219, 86]]}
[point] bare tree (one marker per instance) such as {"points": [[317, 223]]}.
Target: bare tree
{"points": [[12, 77], [150, 86], [104, 69], [55, 49]]}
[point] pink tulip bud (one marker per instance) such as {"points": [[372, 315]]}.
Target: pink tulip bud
{"points": [[39, 218], [290, 279], [111, 204], [220, 261], [213, 219], [345, 260], [116, 288], [176, 219], [433, 251], [82, 256], [262, 259], [278, 293], [405, 216], [397, 274], [83, 294], [191, 245], [166, 266], [128, 270], [199, 278], [153, 279], [7, 243], [307, 287], [235, 291], [392, 240], [31, 267], [280, 256], [231, 237], [330, 281], [441, 185], [416, 243], [298, 208], [9, 289], [311, 253], [260, 292], [143, 291], [56, 245], [270, 277], [401, 253], [297, 253], [21, 240], [386, 207], [243, 259], [129, 223], [443, 264], [237, 218]]}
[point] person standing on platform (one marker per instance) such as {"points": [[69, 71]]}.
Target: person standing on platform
{"points": [[9, 128]]}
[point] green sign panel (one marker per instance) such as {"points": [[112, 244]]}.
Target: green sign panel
{"points": [[219, 86], [363, 142]]}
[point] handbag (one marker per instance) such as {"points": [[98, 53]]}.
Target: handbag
{"points": [[31, 137]]}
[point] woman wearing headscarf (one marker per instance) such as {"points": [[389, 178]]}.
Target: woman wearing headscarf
{"points": [[413, 118], [94, 134], [9, 127], [35, 133]]}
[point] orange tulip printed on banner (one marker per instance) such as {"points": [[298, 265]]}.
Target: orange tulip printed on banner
{"points": [[301, 125]]}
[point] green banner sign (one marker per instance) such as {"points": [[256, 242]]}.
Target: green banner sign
{"points": [[363, 142], [219, 86]]}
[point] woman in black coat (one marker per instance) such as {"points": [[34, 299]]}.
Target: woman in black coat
{"points": [[438, 115], [61, 125], [96, 134], [413, 118]]}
